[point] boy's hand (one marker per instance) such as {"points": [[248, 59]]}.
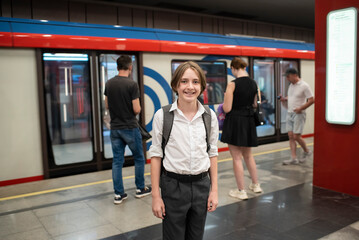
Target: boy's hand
{"points": [[158, 207], [212, 201]]}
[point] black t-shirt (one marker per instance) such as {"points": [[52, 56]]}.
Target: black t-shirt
{"points": [[120, 92]]}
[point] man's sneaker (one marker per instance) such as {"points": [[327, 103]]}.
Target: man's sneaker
{"points": [[305, 156], [255, 187], [140, 193], [291, 161], [119, 198], [241, 194]]}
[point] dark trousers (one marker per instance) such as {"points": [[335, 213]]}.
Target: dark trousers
{"points": [[186, 208]]}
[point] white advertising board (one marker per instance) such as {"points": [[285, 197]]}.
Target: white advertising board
{"points": [[341, 66]]}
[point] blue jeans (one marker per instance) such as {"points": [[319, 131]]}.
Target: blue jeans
{"points": [[119, 139]]}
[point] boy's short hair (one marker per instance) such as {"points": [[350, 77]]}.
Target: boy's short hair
{"points": [[238, 63], [124, 62], [180, 71]]}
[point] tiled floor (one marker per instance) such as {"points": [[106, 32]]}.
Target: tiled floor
{"points": [[81, 206]]}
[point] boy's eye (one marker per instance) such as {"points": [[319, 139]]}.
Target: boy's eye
{"points": [[183, 81], [196, 81]]}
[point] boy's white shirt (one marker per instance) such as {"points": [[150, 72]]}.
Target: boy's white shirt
{"points": [[186, 150]]}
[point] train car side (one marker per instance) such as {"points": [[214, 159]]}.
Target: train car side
{"points": [[23, 48]]}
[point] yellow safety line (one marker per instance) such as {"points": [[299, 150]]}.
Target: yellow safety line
{"points": [[110, 180], [262, 153]]}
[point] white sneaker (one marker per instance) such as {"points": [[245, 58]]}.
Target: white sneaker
{"points": [[255, 187], [305, 156], [291, 161], [241, 194]]}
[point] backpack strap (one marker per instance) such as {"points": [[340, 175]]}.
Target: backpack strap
{"points": [[206, 116], [167, 126]]}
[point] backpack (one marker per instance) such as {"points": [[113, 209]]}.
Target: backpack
{"points": [[221, 116], [168, 123]]}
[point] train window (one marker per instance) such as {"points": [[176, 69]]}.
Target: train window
{"points": [[216, 75], [263, 74]]}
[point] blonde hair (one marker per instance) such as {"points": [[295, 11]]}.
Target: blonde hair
{"points": [[180, 71], [238, 63]]}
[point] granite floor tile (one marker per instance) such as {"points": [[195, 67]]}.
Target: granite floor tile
{"points": [[18, 222], [69, 222], [91, 233], [38, 234]]}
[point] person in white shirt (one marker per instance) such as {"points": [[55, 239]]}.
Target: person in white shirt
{"points": [[299, 98], [188, 180]]}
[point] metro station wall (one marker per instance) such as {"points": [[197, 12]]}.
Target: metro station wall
{"points": [[336, 156], [118, 14]]}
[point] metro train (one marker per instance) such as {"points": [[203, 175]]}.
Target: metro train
{"points": [[53, 76]]}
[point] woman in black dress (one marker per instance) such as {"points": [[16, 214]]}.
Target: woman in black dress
{"points": [[239, 129]]}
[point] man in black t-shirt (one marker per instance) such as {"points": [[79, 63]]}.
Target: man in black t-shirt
{"points": [[122, 100]]}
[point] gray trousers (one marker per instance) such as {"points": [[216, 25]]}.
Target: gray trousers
{"points": [[186, 208]]}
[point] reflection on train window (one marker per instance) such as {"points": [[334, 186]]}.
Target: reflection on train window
{"points": [[68, 106], [216, 75], [284, 85], [108, 70], [263, 73]]}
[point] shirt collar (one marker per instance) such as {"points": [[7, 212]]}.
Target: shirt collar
{"points": [[200, 110]]}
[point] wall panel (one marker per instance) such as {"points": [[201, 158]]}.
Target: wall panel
{"points": [[139, 18], [190, 23], [252, 29], [21, 9], [287, 33], [220, 26], [124, 16], [149, 19], [6, 8], [277, 31], [207, 25], [265, 30], [77, 12], [165, 20], [231, 26], [101, 14], [50, 10]]}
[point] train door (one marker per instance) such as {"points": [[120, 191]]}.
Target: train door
{"points": [[283, 89], [263, 74], [107, 70], [76, 123], [268, 73]]}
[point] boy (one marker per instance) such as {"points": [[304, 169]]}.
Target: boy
{"points": [[187, 190]]}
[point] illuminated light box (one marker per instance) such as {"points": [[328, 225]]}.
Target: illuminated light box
{"points": [[341, 66]]}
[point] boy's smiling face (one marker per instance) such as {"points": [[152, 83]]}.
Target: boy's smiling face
{"points": [[189, 86]]}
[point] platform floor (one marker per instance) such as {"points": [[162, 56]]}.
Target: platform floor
{"points": [[81, 206]]}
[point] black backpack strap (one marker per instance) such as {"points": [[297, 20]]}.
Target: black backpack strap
{"points": [[167, 126], [206, 116]]}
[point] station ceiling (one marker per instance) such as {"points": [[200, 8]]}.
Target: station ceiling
{"points": [[298, 13]]}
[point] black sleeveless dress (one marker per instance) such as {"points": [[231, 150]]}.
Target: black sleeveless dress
{"points": [[239, 128]]}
